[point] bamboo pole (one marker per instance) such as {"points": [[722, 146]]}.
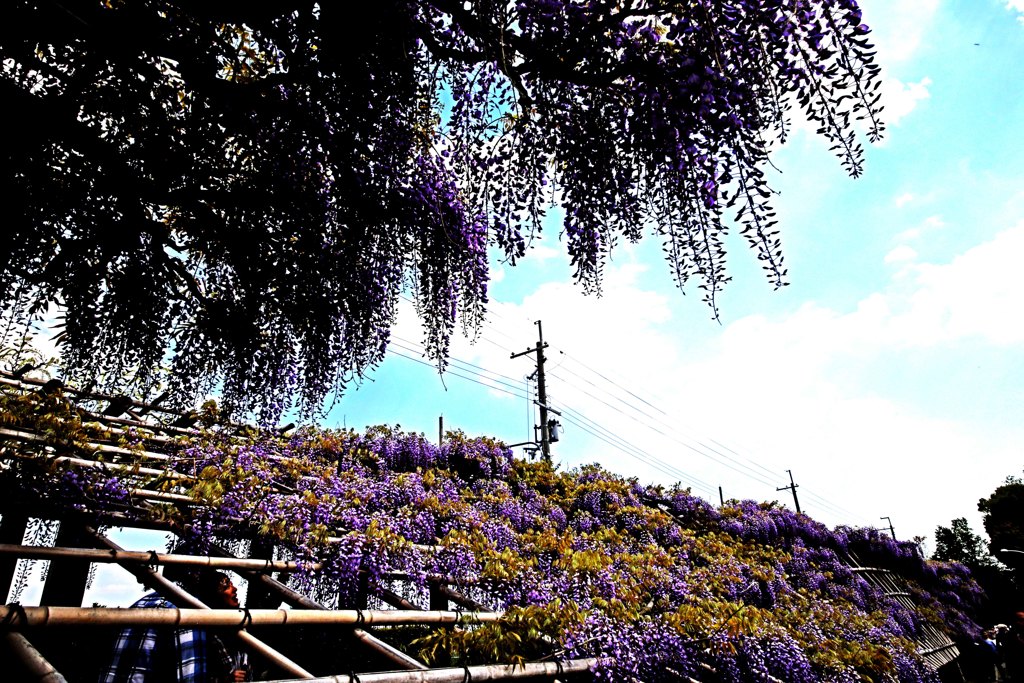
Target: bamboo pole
{"points": [[98, 464], [394, 654], [38, 669], [26, 383], [460, 599], [142, 424], [179, 596], [296, 599], [38, 617], [102, 448], [36, 552], [490, 672], [395, 600], [164, 496]]}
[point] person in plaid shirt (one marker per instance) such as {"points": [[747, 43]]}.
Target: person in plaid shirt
{"points": [[187, 655]]}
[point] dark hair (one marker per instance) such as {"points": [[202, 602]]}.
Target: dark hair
{"points": [[203, 583], [206, 586]]}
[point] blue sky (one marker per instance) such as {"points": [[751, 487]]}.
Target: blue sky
{"points": [[887, 376]]}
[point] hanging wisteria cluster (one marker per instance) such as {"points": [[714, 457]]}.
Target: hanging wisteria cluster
{"points": [[583, 563], [242, 194]]}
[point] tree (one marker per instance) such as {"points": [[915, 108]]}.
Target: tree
{"points": [[958, 543], [1003, 517], [241, 192]]}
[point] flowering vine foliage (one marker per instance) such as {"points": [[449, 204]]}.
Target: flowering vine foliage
{"points": [[241, 191], [656, 582]]}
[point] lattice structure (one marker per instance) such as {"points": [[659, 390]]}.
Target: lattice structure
{"points": [[935, 646], [443, 605], [364, 629]]}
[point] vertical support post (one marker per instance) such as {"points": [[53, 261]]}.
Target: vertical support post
{"points": [[438, 599], [12, 531], [542, 397], [542, 394], [65, 581], [257, 595], [792, 487]]}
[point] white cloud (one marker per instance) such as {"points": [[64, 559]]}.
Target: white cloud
{"points": [[782, 391], [977, 294], [542, 251], [903, 200], [927, 225], [901, 254], [901, 98], [1016, 6], [898, 26]]}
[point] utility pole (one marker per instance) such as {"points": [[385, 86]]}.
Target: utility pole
{"points": [[891, 530], [792, 487], [542, 396]]}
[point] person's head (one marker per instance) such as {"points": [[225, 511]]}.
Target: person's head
{"points": [[216, 590]]}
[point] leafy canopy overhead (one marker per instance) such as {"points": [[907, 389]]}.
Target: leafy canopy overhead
{"points": [[958, 543], [241, 192], [1003, 516]]}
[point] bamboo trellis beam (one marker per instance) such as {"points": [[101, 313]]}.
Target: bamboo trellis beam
{"points": [[490, 672], [98, 464], [35, 552], [17, 617], [296, 599], [142, 424], [394, 654], [947, 646], [110, 450], [164, 496], [35, 665], [394, 599], [29, 382], [461, 600], [179, 596], [871, 570]]}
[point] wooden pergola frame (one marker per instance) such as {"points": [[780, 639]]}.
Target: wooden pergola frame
{"points": [[77, 546]]}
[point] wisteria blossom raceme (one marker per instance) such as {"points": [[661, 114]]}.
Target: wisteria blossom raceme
{"points": [[584, 563], [243, 193]]}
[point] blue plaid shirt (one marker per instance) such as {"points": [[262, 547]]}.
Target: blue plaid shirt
{"points": [[146, 655]]}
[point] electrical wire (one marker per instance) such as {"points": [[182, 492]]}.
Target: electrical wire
{"points": [[661, 464], [456, 374], [725, 461], [718, 452], [636, 453]]}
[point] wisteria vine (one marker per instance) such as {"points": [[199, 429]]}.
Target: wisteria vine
{"points": [[241, 195], [583, 563]]}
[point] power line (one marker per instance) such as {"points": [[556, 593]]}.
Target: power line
{"points": [[512, 382], [456, 374], [515, 389], [765, 470], [636, 453], [725, 461]]}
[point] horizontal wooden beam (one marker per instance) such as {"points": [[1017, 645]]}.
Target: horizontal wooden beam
{"points": [[38, 669], [489, 672], [35, 552], [180, 596], [17, 617]]}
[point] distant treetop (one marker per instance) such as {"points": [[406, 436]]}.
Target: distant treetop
{"points": [[236, 193]]}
